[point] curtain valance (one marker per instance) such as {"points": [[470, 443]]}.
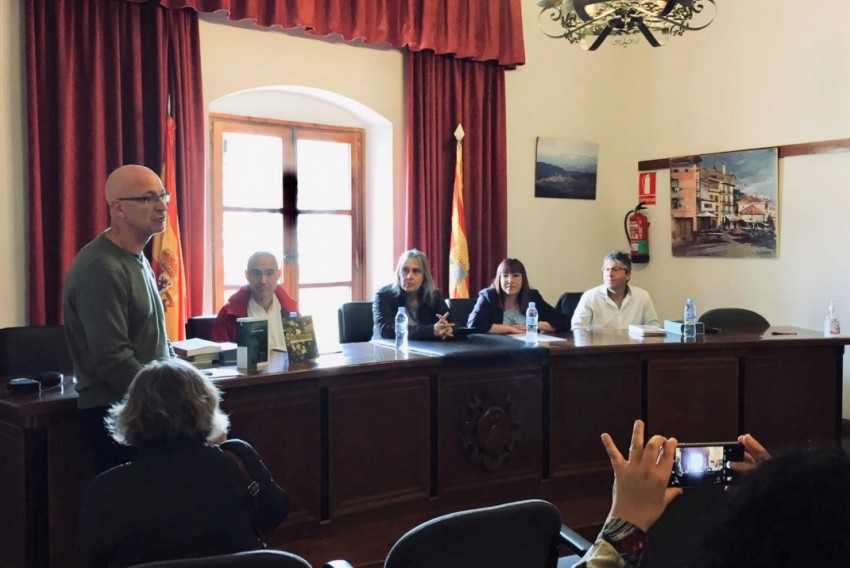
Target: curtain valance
{"points": [[480, 30]]}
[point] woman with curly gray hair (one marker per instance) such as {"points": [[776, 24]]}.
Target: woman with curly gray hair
{"points": [[183, 495]]}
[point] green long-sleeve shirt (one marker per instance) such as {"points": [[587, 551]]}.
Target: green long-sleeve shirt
{"points": [[114, 320]]}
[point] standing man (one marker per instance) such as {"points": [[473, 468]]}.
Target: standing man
{"points": [[614, 304], [114, 320], [262, 297]]}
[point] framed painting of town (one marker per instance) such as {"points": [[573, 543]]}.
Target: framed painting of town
{"points": [[565, 169], [725, 204]]}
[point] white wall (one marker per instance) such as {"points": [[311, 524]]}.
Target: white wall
{"points": [[765, 73], [13, 221]]}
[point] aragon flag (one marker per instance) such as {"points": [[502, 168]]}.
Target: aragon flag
{"points": [[166, 252], [458, 250]]}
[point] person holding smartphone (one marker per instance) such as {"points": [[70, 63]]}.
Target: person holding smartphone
{"points": [[791, 509]]}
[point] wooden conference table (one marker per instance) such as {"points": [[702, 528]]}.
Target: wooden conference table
{"points": [[370, 438]]}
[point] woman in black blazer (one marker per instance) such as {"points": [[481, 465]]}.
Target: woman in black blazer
{"points": [[501, 306]]}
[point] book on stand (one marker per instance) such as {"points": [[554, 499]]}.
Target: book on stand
{"points": [[252, 343], [647, 330], [300, 338]]}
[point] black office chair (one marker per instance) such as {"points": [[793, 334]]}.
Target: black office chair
{"points": [[34, 349], [733, 318], [524, 533], [567, 303], [459, 310], [200, 326], [250, 559], [355, 322]]}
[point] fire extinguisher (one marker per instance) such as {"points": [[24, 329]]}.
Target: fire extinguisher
{"points": [[636, 226]]}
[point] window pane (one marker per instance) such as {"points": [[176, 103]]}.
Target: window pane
{"points": [[324, 175], [245, 233], [322, 304], [252, 171], [324, 248]]}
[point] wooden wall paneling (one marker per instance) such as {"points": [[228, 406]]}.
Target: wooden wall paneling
{"points": [[782, 385], [14, 524], [489, 424], [283, 423], [590, 395], [379, 439], [693, 398]]}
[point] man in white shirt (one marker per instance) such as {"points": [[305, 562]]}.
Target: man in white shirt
{"points": [[614, 304], [262, 297]]}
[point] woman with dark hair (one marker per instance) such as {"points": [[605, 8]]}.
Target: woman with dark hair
{"points": [[501, 306], [182, 495], [413, 289]]}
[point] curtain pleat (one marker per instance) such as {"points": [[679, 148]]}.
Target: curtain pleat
{"points": [[441, 92], [481, 30]]}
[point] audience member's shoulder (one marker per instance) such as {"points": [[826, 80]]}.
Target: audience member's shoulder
{"points": [[237, 446]]}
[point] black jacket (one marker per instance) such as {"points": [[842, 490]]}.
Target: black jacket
{"points": [[385, 307], [176, 500], [487, 311]]}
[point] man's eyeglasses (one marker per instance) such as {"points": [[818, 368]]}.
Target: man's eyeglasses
{"points": [[612, 269], [256, 272], [149, 198]]}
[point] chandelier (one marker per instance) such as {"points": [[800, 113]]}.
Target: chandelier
{"points": [[590, 22]]}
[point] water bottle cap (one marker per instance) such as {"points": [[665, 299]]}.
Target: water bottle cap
{"points": [[532, 305], [402, 310]]}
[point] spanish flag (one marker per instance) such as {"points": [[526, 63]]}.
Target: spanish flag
{"points": [[458, 250], [167, 255]]}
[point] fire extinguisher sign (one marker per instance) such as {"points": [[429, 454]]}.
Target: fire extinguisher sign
{"points": [[646, 188]]}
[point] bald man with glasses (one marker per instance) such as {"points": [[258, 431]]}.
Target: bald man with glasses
{"points": [[114, 319], [615, 304], [262, 297]]}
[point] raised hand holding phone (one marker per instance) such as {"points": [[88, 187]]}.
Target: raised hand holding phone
{"points": [[640, 483]]}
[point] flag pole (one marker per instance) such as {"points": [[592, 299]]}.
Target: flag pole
{"points": [[458, 248]]}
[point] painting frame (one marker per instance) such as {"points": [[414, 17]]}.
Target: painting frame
{"points": [[725, 204], [565, 169]]}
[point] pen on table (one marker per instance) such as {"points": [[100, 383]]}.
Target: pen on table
{"points": [[783, 333]]}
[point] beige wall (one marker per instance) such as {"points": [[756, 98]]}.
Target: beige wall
{"points": [[13, 222], [764, 73]]}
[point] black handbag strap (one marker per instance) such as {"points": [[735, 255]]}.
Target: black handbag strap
{"points": [[253, 490]]}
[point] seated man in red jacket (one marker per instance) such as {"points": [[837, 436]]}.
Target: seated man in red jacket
{"points": [[262, 297]]}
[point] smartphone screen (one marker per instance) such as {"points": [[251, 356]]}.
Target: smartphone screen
{"points": [[701, 465]]}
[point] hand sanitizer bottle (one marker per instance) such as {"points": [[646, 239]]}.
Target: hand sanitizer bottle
{"points": [[831, 323]]}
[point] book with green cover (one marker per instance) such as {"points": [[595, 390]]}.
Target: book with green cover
{"points": [[252, 343], [300, 338]]}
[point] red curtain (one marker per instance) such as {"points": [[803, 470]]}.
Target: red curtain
{"points": [[98, 77], [441, 92], [482, 30]]}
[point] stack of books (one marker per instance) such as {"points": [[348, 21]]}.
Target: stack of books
{"points": [[647, 331], [200, 352]]}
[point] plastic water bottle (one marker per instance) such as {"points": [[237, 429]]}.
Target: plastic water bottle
{"points": [[831, 324], [401, 331], [690, 319], [531, 324]]}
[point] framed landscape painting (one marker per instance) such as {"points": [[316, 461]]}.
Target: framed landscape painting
{"points": [[725, 204], [565, 169]]}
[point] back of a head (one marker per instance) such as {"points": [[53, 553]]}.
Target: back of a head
{"points": [[167, 400], [793, 511]]}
